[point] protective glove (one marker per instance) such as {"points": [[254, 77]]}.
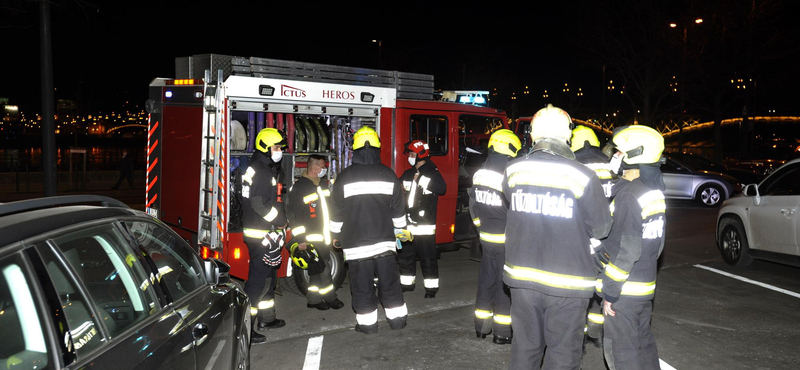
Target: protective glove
{"points": [[599, 254], [273, 259], [273, 241], [403, 235]]}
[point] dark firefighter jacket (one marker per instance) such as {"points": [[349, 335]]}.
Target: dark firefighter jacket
{"points": [[422, 197], [366, 207], [308, 211], [594, 158], [555, 206], [262, 210], [487, 204], [634, 243]]}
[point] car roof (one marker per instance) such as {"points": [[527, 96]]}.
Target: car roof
{"points": [[17, 223]]}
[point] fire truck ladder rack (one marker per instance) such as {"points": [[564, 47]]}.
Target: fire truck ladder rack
{"points": [[212, 223], [414, 86]]}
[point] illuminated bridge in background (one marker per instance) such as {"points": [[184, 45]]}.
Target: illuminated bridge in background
{"points": [[130, 126], [670, 130]]}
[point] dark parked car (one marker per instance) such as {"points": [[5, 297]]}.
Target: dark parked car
{"points": [[108, 287]]}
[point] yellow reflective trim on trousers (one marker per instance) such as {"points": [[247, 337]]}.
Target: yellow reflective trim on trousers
{"points": [[315, 237], [253, 311], [271, 215], [310, 198], [502, 319], [483, 314], [299, 230], [493, 238], [632, 288], [326, 289], [313, 288], [616, 273], [263, 305], [255, 233], [476, 221], [551, 279], [556, 181], [596, 318]]}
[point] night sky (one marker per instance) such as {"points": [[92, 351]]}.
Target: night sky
{"points": [[106, 52]]}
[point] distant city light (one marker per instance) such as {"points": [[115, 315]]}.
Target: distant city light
{"points": [[673, 25], [698, 20]]}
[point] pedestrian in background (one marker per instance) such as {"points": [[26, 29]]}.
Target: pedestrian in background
{"points": [[125, 167]]}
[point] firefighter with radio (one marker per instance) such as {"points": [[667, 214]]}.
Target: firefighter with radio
{"points": [[367, 216], [634, 244], [263, 223], [423, 185], [555, 206], [309, 217], [488, 207], [586, 147]]}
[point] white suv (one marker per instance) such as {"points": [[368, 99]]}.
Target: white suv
{"points": [[762, 222]]}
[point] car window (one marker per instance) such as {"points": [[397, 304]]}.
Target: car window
{"points": [[671, 166], [113, 276], [179, 266], [432, 130], [22, 343], [784, 182]]}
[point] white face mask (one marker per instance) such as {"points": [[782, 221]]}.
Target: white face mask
{"points": [[323, 172], [276, 156], [412, 161]]}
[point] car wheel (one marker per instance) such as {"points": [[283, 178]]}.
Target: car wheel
{"points": [[733, 245], [243, 346], [298, 282], [710, 195]]}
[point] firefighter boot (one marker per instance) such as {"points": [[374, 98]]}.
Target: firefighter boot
{"points": [[337, 304], [501, 340], [274, 324]]}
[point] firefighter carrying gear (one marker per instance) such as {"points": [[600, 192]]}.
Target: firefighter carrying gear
{"points": [[309, 214], [366, 207], [488, 208], [307, 259], [634, 244], [551, 123], [555, 205], [263, 219], [423, 186], [403, 235]]}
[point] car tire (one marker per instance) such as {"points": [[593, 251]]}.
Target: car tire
{"points": [[243, 345], [298, 282], [710, 195], [733, 245]]}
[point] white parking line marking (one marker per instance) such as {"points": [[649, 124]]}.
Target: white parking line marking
{"points": [[746, 280], [664, 365], [313, 353]]}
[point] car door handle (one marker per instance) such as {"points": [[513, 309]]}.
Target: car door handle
{"points": [[200, 333]]}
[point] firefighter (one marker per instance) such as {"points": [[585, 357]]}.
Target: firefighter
{"points": [[308, 212], [488, 208], [263, 224], [555, 205], [586, 147], [634, 245], [367, 216], [423, 185]]}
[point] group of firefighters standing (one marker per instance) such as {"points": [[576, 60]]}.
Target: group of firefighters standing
{"points": [[570, 235]]}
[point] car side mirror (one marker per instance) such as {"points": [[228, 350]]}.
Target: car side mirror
{"points": [[751, 190], [216, 271]]}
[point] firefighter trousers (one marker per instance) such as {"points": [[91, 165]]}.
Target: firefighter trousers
{"points": [[365, 302], [424, 247], [320, 286], [260, 285], [493, 301], [628, 341], [542, 320], [595, 318]]}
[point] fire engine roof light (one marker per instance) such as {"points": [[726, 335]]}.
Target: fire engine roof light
{"points": [[168, 94], [367, 97], [266, 90], [465, 99], [479, 100], [184, 81]]}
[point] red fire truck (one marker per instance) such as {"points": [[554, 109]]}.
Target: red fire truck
{"points": [[203, 124]]}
